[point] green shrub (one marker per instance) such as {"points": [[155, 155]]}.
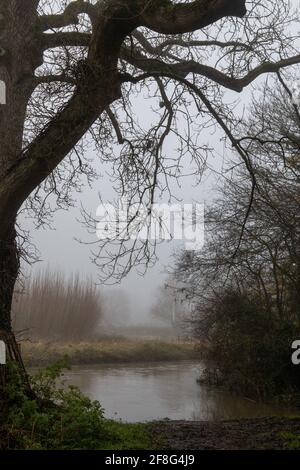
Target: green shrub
{"points": [[249, 349], [291, 440], [58, 418]]}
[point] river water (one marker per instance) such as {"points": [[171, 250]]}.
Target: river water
{"points": [[142, 392]]}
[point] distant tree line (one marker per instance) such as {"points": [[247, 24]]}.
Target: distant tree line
{"points": [[50, 306]]}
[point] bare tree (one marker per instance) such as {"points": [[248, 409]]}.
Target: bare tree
{"points": [[163, 307], [72, 66], [263, 264]]}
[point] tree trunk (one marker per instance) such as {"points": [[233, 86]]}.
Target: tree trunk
{"points": [[9, 270], [21, 57], [21, 172]]}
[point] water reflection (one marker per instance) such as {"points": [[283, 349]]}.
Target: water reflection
{"points": [[142, 392]]}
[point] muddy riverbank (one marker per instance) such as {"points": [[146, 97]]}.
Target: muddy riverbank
{"points": [[242, 434]]}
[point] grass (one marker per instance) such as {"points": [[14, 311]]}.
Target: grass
{"points": [[128, 436], [109, 350]]}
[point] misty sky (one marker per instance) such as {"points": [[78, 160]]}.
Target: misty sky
{"points": [[59, 249]]}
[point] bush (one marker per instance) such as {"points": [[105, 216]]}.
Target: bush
{"points": [[249, 350], [58, 418]]}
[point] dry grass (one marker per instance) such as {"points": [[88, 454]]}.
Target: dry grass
{"points": [[111, 350]]}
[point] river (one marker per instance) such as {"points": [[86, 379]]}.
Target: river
{"points": [[147, 391]]}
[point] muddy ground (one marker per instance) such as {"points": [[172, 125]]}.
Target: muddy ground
{"points": [[246, 434]]}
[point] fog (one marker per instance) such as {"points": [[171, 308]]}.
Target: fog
{"points": [[59, 248]]}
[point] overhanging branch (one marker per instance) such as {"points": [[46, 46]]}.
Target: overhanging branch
{"points": [[184, 68], [63, 39], [69, 17], [170, 18], [180, 41]]}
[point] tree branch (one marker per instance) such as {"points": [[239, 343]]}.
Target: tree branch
{"points": [[176, 41], [184, 18], [73, 38], [62, 78], [115, 125], [183, 69], [69, 17]]}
